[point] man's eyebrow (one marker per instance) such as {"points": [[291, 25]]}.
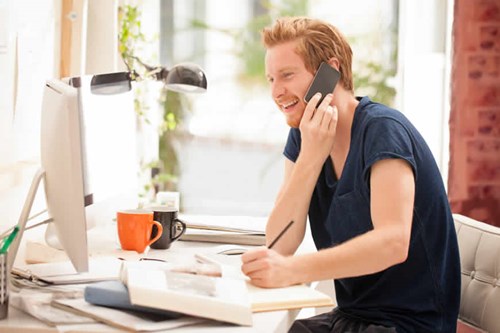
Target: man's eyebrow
{"points": [[288, 68], [284, 69]]}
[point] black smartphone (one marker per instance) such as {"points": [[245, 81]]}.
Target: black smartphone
{"points": [[324, 82]]}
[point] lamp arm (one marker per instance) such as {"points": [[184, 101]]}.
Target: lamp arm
{"points": [[159, 73]]}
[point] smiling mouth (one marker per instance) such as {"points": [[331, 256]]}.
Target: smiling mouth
{"points": [[288, 105]]}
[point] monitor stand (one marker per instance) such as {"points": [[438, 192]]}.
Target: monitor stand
{"points": [[23, 218]]}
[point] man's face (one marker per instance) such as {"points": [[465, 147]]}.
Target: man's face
{"points": [[289, 79]]}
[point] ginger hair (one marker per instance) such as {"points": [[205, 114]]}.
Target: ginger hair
{"points": [[317, 41]]}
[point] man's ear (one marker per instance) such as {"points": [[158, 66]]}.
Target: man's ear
{"points": [[334, 62]]}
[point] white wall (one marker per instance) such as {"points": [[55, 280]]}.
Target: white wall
{"points": [[28, 54], [423, 71], [229, 177], [30, 33]]}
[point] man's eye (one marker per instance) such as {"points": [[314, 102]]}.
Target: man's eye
{"points": [[287, 75]]}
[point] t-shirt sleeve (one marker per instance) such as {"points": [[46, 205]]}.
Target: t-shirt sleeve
{"points": [[292, 147], [387, 138]]}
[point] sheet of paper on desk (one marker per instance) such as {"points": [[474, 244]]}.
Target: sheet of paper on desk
{"points": [[100, 269], [39, 306], [217, 298], [121, 319]]}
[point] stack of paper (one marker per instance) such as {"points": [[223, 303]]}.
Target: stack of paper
{"points": [[225, 229], [228, 298], [59, 273], [125, 320]]}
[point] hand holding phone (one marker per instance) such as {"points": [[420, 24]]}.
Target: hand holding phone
{"points": [[324, 82]]}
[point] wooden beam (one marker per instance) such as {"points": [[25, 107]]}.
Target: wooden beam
{"points": [[66, 34]]}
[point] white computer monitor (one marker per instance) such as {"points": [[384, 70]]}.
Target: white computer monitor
{"points": [[89, 164], [63, 160]]}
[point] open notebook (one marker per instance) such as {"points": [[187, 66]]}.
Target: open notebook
{"points": [[230, 298]]}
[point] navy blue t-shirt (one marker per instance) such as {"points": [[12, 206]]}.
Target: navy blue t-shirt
{"points": [[421, 294]]}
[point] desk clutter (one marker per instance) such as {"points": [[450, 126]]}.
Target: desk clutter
{"points": [[160, 289], [151, 295], [223, 229]]}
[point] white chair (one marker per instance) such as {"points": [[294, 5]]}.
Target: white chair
{"points": [[479, 245]]}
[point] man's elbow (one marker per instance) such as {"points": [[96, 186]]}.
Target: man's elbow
{"points": [[399, 246]]}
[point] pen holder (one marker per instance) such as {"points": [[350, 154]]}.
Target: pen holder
{"points": [[4, 286]]}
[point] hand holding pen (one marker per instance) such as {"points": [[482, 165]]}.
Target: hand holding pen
{"points": [[266, 267]]}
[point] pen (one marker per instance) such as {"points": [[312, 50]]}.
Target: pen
{"points": [[9, 240], [280, 235]]}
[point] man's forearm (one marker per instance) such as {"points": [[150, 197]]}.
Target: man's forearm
{"points": [[293, 204], [355, 257]]}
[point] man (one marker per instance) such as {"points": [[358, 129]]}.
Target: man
{"points": [[377, 207]]}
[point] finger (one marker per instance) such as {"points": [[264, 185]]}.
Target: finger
{"points": [[263, 283], [254, 266], [259, 283], [323, 107], [327, 117], [259, 274], [317, 118], [311, 106], [334, 119], [254, 254]]}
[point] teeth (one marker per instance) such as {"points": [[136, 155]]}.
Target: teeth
{"points": [[290, 104]]}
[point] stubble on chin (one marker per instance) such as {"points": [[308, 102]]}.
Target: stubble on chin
{"points": [[293, 122]]}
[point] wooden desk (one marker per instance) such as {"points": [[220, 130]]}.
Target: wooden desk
{"points": [[18, 321]]}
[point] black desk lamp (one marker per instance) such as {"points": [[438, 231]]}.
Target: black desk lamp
{"points": [[182, 78]]}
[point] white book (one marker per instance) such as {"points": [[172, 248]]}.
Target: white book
{"points": [[218, 298]]}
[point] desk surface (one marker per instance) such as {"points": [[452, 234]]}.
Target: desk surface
{"points": [[18, 321], [278, 321]]}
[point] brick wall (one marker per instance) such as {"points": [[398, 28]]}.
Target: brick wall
{"points": [[474, 177]]}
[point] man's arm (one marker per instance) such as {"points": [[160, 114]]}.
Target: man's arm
{"points": [[392, 197], [292, 203], [317, 128]]}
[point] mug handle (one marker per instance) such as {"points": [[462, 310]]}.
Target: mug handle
{"points": [[183, 229], [158, 233]]}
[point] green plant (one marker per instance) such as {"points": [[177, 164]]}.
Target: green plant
{"points": [[372, 81], [371, 78], [162, 174], [175, 106]]}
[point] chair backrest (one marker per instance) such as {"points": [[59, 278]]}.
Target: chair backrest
{"points": [[479, 245]]}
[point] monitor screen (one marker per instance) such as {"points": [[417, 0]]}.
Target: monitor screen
{"points": [[89, 161], [111, 166]]}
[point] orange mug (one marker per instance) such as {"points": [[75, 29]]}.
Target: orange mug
{"points": [[134, 229]]}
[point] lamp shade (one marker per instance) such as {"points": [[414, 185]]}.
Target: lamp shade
{"points": [[110, 83], [186, 77]]}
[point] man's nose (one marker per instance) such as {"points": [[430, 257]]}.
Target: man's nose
{"points": [[277, 90]]}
